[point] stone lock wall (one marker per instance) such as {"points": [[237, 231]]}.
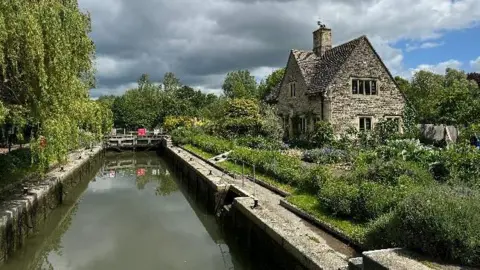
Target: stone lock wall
{"points": [[23, 214]]}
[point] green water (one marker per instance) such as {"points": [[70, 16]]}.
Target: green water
{"points": [[131, 215]]}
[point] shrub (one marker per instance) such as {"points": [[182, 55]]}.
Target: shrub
{"points": [[258, 142], [374, 200], [212, 144], [314, 179], [241, 117], [388, 172], [322, 134], [325, 155], [338, 197], [271, 124], [441, 222], [182, 136], [173, 122], [385, 130], [284, 168], [463, 163]]}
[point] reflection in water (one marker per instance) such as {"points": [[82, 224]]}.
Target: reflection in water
{"points": [[132, 215]]}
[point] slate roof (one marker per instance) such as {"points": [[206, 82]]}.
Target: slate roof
{"points": [[318, 72]]}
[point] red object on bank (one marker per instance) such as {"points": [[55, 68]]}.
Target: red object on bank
{"points": [[43, 142], [142, 132], [140, 172]]}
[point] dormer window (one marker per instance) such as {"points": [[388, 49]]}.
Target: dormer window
{"points": [[293, 89], [364, 87]]}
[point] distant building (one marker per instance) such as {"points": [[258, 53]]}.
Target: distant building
{"points": [[347, 85]]}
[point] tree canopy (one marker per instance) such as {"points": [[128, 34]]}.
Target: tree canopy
{"points": [[266, 86], [239, 84], [443, 99], [46, 72], [475, 77], [148, 104]]}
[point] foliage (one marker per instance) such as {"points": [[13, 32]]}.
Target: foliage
{"points": [[41, 73], [463, 164], [183, 136], [148, 106], [239, 84], [325, 155], [285, 169], [259, 142], [322, 134], [435, 98], [241, 117], [170, 82], [385, 130], [314, 179], [273, 80], [270, 123], [173, 122], [3, 112], [475, 76], [138, 108], [373, 188], [466, 133], [441, 222], [16, 165]]}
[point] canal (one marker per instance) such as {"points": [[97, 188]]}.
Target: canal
{"points": [[132, 214]]}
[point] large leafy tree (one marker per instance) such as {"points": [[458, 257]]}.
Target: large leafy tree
{"points": [[45, 73], [147, 106], [239, 84], [138, 107], [443, 99], [266, 86], [170, 82]]}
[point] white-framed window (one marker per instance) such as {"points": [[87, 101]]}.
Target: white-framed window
{"points": [[293, 89], [365, 123], [364, 87]]}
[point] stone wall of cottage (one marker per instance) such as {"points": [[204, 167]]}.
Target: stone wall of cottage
{"points": [[301, 104], [345, 108]]}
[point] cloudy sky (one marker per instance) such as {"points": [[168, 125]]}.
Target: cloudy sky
{"points": [[201, 40]]}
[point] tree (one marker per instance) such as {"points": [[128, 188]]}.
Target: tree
{"points": [[46, 71], [170, 82], [239, 84], [266, 86], [107, 100], [475, 77], [138, 107], [443, 99]]}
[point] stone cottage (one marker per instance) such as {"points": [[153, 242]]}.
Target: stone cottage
{"points": [[347, 85]]}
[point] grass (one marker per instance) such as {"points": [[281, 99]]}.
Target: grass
{"points": [[231, 166], [310, 204], [198, 151]]}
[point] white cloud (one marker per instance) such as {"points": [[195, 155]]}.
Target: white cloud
{"points": [[425, 45], [439, 68], [475, 64]]}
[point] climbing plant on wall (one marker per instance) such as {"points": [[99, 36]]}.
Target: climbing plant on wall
{"points": [[46, 70]]}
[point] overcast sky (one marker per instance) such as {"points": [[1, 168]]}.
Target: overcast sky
{"points": [[201, 40]]}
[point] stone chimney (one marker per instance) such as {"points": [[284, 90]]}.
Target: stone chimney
{"points": [[322, 40]]}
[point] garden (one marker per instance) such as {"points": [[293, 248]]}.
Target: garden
{"points": [[381, 189]]}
